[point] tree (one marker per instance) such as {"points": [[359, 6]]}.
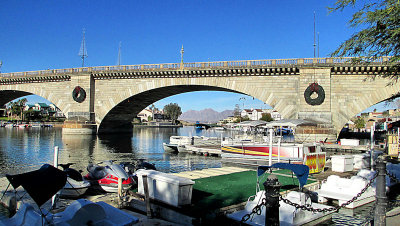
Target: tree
{"points": [[236, 111], [173, 111], [359, 123], [378, 35], [17, 107], [266, 117], [242, 119]]}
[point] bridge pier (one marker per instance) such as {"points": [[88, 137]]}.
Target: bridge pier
{"points": [[78, 128]]}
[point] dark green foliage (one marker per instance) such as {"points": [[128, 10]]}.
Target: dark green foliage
{"points": [[173, 111], [360, 123], [378, 33], [266, 117]]}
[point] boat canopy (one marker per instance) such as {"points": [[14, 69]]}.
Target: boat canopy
{"points": [[253, 123], [40, 184], [290, 123], [301, 171]]}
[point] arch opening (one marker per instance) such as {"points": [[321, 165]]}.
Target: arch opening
{"points": [[119, 118]]}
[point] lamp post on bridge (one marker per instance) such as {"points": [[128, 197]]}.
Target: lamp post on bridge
{"points": [[182, 51], [240, 117]]}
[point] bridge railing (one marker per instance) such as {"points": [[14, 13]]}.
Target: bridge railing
{"points": [[195, 65]]}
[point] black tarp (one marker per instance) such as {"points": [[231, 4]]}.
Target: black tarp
{"points": [[40, 184]]}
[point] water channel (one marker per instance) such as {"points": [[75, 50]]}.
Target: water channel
{"points": [[23, 150]]}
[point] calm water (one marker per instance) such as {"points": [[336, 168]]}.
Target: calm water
{"points": [[23, 150]]}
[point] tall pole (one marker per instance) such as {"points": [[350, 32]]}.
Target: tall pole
{"points": [[182, 51], [242, 98], [1, 64], [83, 51], [314, 35], [119, 54], [318, 44]]}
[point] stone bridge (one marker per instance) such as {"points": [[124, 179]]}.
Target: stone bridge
{"points": [[116, 94]]}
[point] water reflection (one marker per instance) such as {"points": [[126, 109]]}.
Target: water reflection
{"points": [[23, 150]]}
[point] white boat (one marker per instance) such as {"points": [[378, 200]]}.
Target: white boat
{"points": [[178, 143], [344, 189], [288, 214], [175, 141], [74, 188], [219, 128], [80, 212], [309, 154]]}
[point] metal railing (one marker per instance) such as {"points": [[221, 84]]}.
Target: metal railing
{"points": [[195, 65]]}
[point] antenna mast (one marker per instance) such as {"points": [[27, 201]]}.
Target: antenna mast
{"points": [[83, 51], [314, 34], [119, 54], [1, 64]]}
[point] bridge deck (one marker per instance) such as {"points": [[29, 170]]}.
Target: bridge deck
{"points": [[337, 61]]}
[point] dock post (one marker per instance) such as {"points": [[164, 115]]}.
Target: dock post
{"points": [[120, 192], [55, 164], [146, 196], [272, 187], [381, 199], [372, 147]]}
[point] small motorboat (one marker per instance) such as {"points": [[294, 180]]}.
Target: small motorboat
{"points": [[76, 185], [106, 177]]}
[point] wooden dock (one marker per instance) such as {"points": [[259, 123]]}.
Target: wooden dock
{"points": [[206, 150], [211, 172], [345, 148]]}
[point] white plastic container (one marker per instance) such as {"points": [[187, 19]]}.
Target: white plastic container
{"points": [[170, 189], [362, 161], [342, 163], [350, 142]]}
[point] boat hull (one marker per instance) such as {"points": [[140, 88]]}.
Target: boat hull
{"points": [[307, 154]]}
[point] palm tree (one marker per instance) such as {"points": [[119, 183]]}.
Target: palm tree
{"points": [[17, 107]]}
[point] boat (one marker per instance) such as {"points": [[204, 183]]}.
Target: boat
{"points": [[219, 128], [288, 214], [76, 185], [309, 154], [79, 212], [44, 183], [176, 141], [105, 178], [9, 125], [345, 189]]}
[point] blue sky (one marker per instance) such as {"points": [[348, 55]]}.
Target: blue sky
{"points": [[37, 35]]}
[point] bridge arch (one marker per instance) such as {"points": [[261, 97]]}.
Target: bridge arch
{"points": [[120, 117], [11, 93]]}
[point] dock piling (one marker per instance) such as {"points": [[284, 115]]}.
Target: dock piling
{"points": [[381, 199], [146, 196], [272, 187]]}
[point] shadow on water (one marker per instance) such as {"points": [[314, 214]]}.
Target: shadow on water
{"points": [[118, 143]]}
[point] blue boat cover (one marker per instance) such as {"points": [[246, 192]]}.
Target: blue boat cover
{"points": [[301, 171]]}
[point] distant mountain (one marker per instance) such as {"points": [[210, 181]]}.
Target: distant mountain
{"points": [[207, 115]]}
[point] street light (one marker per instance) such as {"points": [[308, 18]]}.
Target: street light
{"points": [[240, 117]]}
